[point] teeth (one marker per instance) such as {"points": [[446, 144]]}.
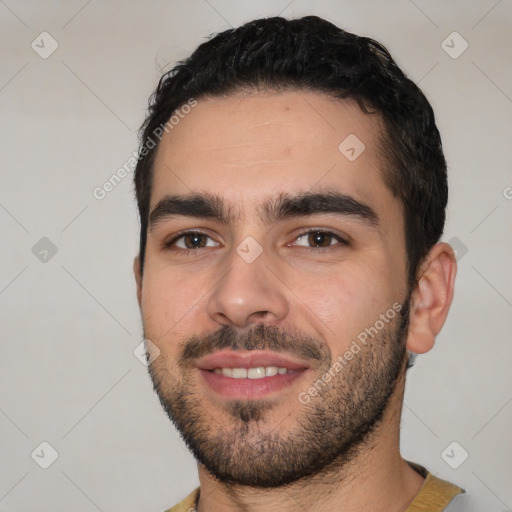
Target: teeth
{"points": [[227, 372], [252, 373], [256, 373], [239, 373], [271, 371]]}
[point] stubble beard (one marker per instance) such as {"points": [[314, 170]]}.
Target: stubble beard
{"points": [[242, 446]]}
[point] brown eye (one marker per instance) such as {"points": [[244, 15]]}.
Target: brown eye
{"points": [[320, 239], [195, 240], [191, 240]]}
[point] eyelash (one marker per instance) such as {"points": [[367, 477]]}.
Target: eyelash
{"points": [[169, 245], [341, 241], [338, 238]]}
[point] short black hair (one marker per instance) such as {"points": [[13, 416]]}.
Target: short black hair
{"points": [[312, 54]]}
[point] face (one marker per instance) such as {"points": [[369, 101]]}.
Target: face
{"points": [[274, 284]]}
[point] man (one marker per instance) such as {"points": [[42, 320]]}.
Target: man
{"points": [[292, 190]]}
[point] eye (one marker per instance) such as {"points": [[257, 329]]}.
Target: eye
{"points": [[191, 240], [319, 239]]}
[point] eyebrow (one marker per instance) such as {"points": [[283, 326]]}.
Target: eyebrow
{"points": [[204, 206], [285, 206], [303, 205]]}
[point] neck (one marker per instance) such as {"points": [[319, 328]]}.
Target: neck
{"points": [[377, 478]]}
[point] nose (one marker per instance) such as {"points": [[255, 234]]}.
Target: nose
{"points": [[249, 293]]}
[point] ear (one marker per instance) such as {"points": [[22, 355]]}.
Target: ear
{"points": [[138, 278], [432, 297]]}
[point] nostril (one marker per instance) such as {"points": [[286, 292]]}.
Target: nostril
{"points": [[259, 314]]}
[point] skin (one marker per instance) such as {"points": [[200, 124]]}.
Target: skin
{"points": [[248, 149]]}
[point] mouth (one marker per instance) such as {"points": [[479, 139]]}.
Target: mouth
{"points": [[256, 372], [250, 375]]}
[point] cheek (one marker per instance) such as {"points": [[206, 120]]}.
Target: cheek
{"points": [[332, 302], [341, 305], [168, 303], [328, 300]]}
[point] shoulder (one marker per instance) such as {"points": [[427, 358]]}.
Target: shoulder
{"points": [[435, 495], [188, 504]]}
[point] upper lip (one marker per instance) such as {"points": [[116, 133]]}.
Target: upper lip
{"points": [[250, 359]]}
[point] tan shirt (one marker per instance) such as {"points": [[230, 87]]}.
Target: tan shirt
{"points": [[434, 495]]}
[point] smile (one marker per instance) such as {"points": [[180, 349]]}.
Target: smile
{"points": [[257, 372], [248, 375]]}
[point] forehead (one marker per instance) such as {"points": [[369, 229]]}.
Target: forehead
{"points": [[248, 147]]}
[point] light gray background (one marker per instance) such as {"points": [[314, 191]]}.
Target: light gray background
{"points": [[69, 324]]}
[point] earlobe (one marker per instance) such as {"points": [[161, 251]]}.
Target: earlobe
{"points": [[138, 278], [432, 297]]}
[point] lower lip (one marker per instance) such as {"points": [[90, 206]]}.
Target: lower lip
{"points": [[248, 389]]}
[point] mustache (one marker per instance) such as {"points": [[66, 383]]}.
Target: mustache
{"points": [[260, 337]]}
